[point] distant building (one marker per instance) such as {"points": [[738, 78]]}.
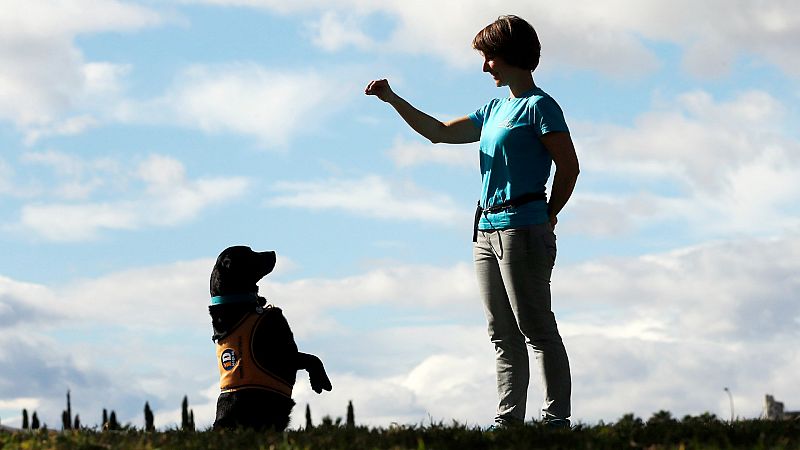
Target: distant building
{"points": [[774, 410]]}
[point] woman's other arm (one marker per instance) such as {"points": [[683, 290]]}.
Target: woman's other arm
{"points": [[457, 131], [560, 146]]}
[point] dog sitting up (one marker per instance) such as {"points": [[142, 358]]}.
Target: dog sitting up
{"points": [[257, 357]]}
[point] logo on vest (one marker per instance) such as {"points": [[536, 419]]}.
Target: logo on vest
{"points": [[228, 359]]}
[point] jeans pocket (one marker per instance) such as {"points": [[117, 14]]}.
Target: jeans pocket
{"points": [[517, 240], [549, 242]]}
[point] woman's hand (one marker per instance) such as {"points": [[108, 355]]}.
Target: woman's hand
{"points": [[380, 89]]}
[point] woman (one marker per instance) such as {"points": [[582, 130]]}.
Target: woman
{"points": [[515, 245]]}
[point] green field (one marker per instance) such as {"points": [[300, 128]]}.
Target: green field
{"points": [[704, 432]]}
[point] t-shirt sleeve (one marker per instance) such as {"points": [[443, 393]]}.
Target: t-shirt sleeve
{"points": [[479, 116], [547, 116]]}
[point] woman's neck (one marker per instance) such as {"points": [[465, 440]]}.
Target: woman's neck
{"points": [[521, 84]]}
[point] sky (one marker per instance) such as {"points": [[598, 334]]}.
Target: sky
{"points": [[138, 139]]}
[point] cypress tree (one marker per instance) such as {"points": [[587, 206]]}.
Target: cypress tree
{"points": [[105, 418], [34, 421], [148, 418], [66, 415], [309, 424], [191, 419], [24, 419], [69, 407], [351, 417], [185, 413], [112, 421], [77, 425]]}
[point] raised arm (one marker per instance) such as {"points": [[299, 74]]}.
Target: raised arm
{"points": [[457, 131], [560, 146]]}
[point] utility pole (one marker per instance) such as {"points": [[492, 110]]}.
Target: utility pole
{"points": [[730, 397]]}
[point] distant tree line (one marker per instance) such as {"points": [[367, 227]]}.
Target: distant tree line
{"points": [[327, 421], [110, 422]]}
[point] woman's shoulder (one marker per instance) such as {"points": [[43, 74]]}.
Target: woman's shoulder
{"points": [[537, 95], [491, 103], [543, 103]]}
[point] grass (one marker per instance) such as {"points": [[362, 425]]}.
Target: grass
{"points": [[703, 432]]}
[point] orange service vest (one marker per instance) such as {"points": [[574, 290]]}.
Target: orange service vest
{"points": [[238, 368]]}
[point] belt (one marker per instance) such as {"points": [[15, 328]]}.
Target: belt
{"points": [[508, 204]]}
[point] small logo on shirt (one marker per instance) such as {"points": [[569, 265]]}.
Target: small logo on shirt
{"points": [[228, 359], [507, 124]]}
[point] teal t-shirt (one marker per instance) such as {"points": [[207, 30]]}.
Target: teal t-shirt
{"points": [[513, 159]]}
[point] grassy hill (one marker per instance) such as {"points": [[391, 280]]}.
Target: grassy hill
{"points": [[660, 432]]}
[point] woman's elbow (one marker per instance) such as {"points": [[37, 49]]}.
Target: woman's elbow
{"points": [[569, 170], [438, 134]]}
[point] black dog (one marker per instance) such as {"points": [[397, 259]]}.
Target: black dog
{"points": [[256, 353]]}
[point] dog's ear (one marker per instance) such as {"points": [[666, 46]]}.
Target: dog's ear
{"points": [[228, 277], [216, 287]]}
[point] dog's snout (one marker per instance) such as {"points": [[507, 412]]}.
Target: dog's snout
{"points": [[268, 260]]}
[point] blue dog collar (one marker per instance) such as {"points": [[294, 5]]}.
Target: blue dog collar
{"points": [[234, 298]]}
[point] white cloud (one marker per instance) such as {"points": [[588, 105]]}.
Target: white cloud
{"points": [[370, 196], [46, 77], [333, 33], [699, 137], [309, 299], [424, 395], [727, 292], [644, 330], [718, 167], [169, 198], [67, 127], [179, 292], [244, 98], [22, 303]]}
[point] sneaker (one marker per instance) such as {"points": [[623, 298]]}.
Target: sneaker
{"points": [[557, 424], [503, 424]]}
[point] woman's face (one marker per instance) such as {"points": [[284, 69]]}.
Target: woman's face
{"points": [[497, 68]]}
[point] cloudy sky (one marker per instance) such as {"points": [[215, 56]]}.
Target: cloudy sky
{"points": [[140, 138]]}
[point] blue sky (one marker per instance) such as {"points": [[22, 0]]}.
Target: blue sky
{"points": [[139, 139]]}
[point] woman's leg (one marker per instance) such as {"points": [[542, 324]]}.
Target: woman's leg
{"points": [[512, 363], [525, 268]]}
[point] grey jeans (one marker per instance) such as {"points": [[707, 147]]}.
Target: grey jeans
{"points": [[513, 267]]}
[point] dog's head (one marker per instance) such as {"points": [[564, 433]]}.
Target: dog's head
{"points": [[238, 269]]}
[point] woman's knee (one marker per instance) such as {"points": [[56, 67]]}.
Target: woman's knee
{"points": [[541, 328]]}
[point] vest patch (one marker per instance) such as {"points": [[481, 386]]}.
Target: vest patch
{"points": [[228, 359]]}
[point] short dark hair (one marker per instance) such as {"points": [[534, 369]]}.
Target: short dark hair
{"points": [[512, 39]]}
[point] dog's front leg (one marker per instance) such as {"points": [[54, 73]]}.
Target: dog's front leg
{"points": [[316, 372]]}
